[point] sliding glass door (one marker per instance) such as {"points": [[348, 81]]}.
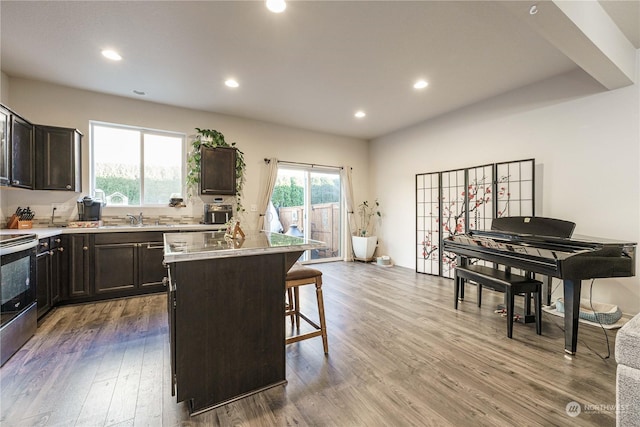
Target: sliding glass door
{"points": [[306, 201]]}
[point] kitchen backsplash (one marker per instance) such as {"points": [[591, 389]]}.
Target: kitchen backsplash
{"points": [[43, 222], [43, 203], [158, 219]]}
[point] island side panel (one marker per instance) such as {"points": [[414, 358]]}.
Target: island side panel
{"points": [[229, 327]]}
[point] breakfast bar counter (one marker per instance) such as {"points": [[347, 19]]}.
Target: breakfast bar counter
{"points": [[218, 244], [226, 313]]}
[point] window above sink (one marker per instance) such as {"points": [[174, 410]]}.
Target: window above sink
{"points": [[133, 166]]}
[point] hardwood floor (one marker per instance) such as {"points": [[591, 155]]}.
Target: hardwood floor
{"points": [[399, 354]]}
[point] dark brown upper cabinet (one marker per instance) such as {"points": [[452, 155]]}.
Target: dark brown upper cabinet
{"points": [[218, 170], [22, 153], [5, 146], [16, 150], [58, 158]]}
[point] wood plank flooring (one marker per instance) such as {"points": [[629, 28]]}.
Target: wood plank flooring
{"points": [[399, 354]]}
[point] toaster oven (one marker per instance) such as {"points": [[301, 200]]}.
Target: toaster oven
{"points": [[217, 213]]}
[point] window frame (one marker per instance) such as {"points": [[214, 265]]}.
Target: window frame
{"points": [[143, 131]]}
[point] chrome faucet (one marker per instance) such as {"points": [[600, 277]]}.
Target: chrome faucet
{"points": [[135, 220]]}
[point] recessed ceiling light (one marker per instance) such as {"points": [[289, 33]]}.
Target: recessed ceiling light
{"points": [[139, 92], [420, 84], [276, 6], [111, 54], [231, 83], [360, 114], [533, 9]]}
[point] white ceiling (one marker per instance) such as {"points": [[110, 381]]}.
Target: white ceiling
{"points": [[310, 67]]}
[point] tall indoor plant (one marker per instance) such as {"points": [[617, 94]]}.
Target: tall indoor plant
{"points": [[364, 240]]}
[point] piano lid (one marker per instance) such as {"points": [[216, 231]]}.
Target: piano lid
{"points": [[577, 241], [578, 256]]}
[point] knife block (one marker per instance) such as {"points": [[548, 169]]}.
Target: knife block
{"points": [[16, 224]]}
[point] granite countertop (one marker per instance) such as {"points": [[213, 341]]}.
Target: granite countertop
{"points": [[213, 244], [55, 231]]}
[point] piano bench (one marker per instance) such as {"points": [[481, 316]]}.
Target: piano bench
{"points": [[503, 281]]}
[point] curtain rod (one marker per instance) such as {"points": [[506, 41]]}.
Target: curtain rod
{"points": [[267, 161]]}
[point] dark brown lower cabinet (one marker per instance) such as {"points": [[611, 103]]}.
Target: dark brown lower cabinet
{"points": [[226, 327], [48, 274], [98, 266], [150, 265], [115, 267], [55, 254], [76, 266], [43, 278], [128, 263]]}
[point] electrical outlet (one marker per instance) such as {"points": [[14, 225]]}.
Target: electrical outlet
{"points": [[60, 208]]}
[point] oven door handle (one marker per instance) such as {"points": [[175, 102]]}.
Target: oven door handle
{"points": [[18, 248]]}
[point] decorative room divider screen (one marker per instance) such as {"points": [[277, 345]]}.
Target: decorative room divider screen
{"points": [[457, 201]]}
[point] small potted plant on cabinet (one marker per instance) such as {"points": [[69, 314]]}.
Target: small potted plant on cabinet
{"points": [[364, 241]]}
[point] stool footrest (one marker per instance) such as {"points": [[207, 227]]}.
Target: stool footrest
{"points": [[301, 337]]}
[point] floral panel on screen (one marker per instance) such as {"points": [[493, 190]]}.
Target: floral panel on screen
{"points": [[459, 201]]}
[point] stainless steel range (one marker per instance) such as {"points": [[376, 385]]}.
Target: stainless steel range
{"points": [[18, 308]]}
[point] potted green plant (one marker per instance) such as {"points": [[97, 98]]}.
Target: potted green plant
{"points": [[364, 241], [212, 139]]}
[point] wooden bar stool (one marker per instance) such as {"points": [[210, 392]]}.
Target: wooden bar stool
{"points": [[298, 276]]}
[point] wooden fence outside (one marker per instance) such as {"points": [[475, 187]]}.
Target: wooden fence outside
{"points": [[324, 222]]}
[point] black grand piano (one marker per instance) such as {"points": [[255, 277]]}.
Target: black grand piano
{"points": [[571, 259]]}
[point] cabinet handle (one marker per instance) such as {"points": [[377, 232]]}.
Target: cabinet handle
{"points": [[61, 249], [154, 247], [165, 281], [51, 253], [68, 187], [16, 182], [84, 248], [58, 240]]}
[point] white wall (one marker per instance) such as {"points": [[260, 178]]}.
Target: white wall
{"points": [[45, 103], [586, 145]]}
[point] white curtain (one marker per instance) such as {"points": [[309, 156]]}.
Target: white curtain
{"points": [[267, 189], [347, 190]]}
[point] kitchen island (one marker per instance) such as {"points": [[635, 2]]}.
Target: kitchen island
{"points": [[226, 313]]}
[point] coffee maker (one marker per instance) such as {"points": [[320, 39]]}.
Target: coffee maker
{"points": [[89, 209], [217, 213]]}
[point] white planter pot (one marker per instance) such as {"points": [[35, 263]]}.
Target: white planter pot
{"points": [[364, 247]]}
